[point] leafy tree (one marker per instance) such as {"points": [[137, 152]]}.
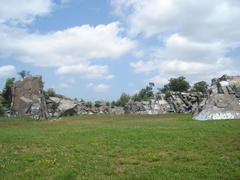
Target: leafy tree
{"points": [[1, 107], [24, 73], [89, 104], [145, 94], [165, 89], [123, 100], [113, 103], [177, 85], [200, 86], [97, 104], [107, 103], [51, 92], [7, 92]]}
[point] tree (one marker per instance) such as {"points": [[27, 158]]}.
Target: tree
{"points": [[200, 86], [24, 73], [113, 103], [51, 92], [89, 104], [176, 85], [1, 107], [7, 92], [97, 104], [123, 100], [145, 94], [165, 89]]}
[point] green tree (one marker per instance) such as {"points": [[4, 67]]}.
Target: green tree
{"points": [[7, 92], [165, 89], [200, 86], [97, 104], [113, 103], [177, 85], [24, 73], [1, 106], [123, 100], [51, 92], [145, 94], [107, 103]]}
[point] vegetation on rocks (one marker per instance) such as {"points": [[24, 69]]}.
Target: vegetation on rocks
{"points": [[176, 85], [145, 94]]}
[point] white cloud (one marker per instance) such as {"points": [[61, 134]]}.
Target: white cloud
{"points": [[7, 70], [195, 38], [90, 71], [200, 20], [70, 51], [99, 88], [23, 11], [181, 56]]}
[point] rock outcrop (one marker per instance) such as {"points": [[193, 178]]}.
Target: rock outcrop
{"points": [[223, 100], [175, 102], [28, 98]]}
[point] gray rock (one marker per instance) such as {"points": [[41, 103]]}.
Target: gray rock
{"points": [[223, 101], [28, 98], [62, 107]]}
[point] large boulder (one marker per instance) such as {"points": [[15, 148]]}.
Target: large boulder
{"points": [[28, 98], [62, 107], [223, 100]]}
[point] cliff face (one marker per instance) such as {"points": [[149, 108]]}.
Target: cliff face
{"points": [[223, 100], [28, 98]]}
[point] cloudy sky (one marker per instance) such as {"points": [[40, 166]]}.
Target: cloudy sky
{"points": [[94, 49]]}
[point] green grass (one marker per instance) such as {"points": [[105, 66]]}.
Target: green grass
{"points": [[119, 147]]}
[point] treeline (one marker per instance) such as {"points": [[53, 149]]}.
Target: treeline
{"points": [[179, 84]]}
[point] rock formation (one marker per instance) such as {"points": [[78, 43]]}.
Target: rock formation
{"points": [[175, 102], [223, 100], [28, 98]]}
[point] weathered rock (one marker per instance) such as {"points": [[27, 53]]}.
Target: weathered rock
{"points": [[117, 110], [185, 102], [62, 107], [223, 100], [28, 98]]}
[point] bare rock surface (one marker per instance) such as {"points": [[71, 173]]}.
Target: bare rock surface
{"points": [[28, 98], [223, 100]]}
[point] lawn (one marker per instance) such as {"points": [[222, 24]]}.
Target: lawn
{"points": [[119, 147]]}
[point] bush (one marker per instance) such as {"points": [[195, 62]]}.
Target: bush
{"points": [[51, 93], [7, 92]]}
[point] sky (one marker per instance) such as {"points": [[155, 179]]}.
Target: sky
{"points": [[97, 49]]}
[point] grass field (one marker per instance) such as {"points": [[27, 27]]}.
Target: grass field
{"points": [[119, 147]]}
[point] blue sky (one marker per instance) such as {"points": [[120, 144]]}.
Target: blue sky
{"points": [[95, 49]]}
